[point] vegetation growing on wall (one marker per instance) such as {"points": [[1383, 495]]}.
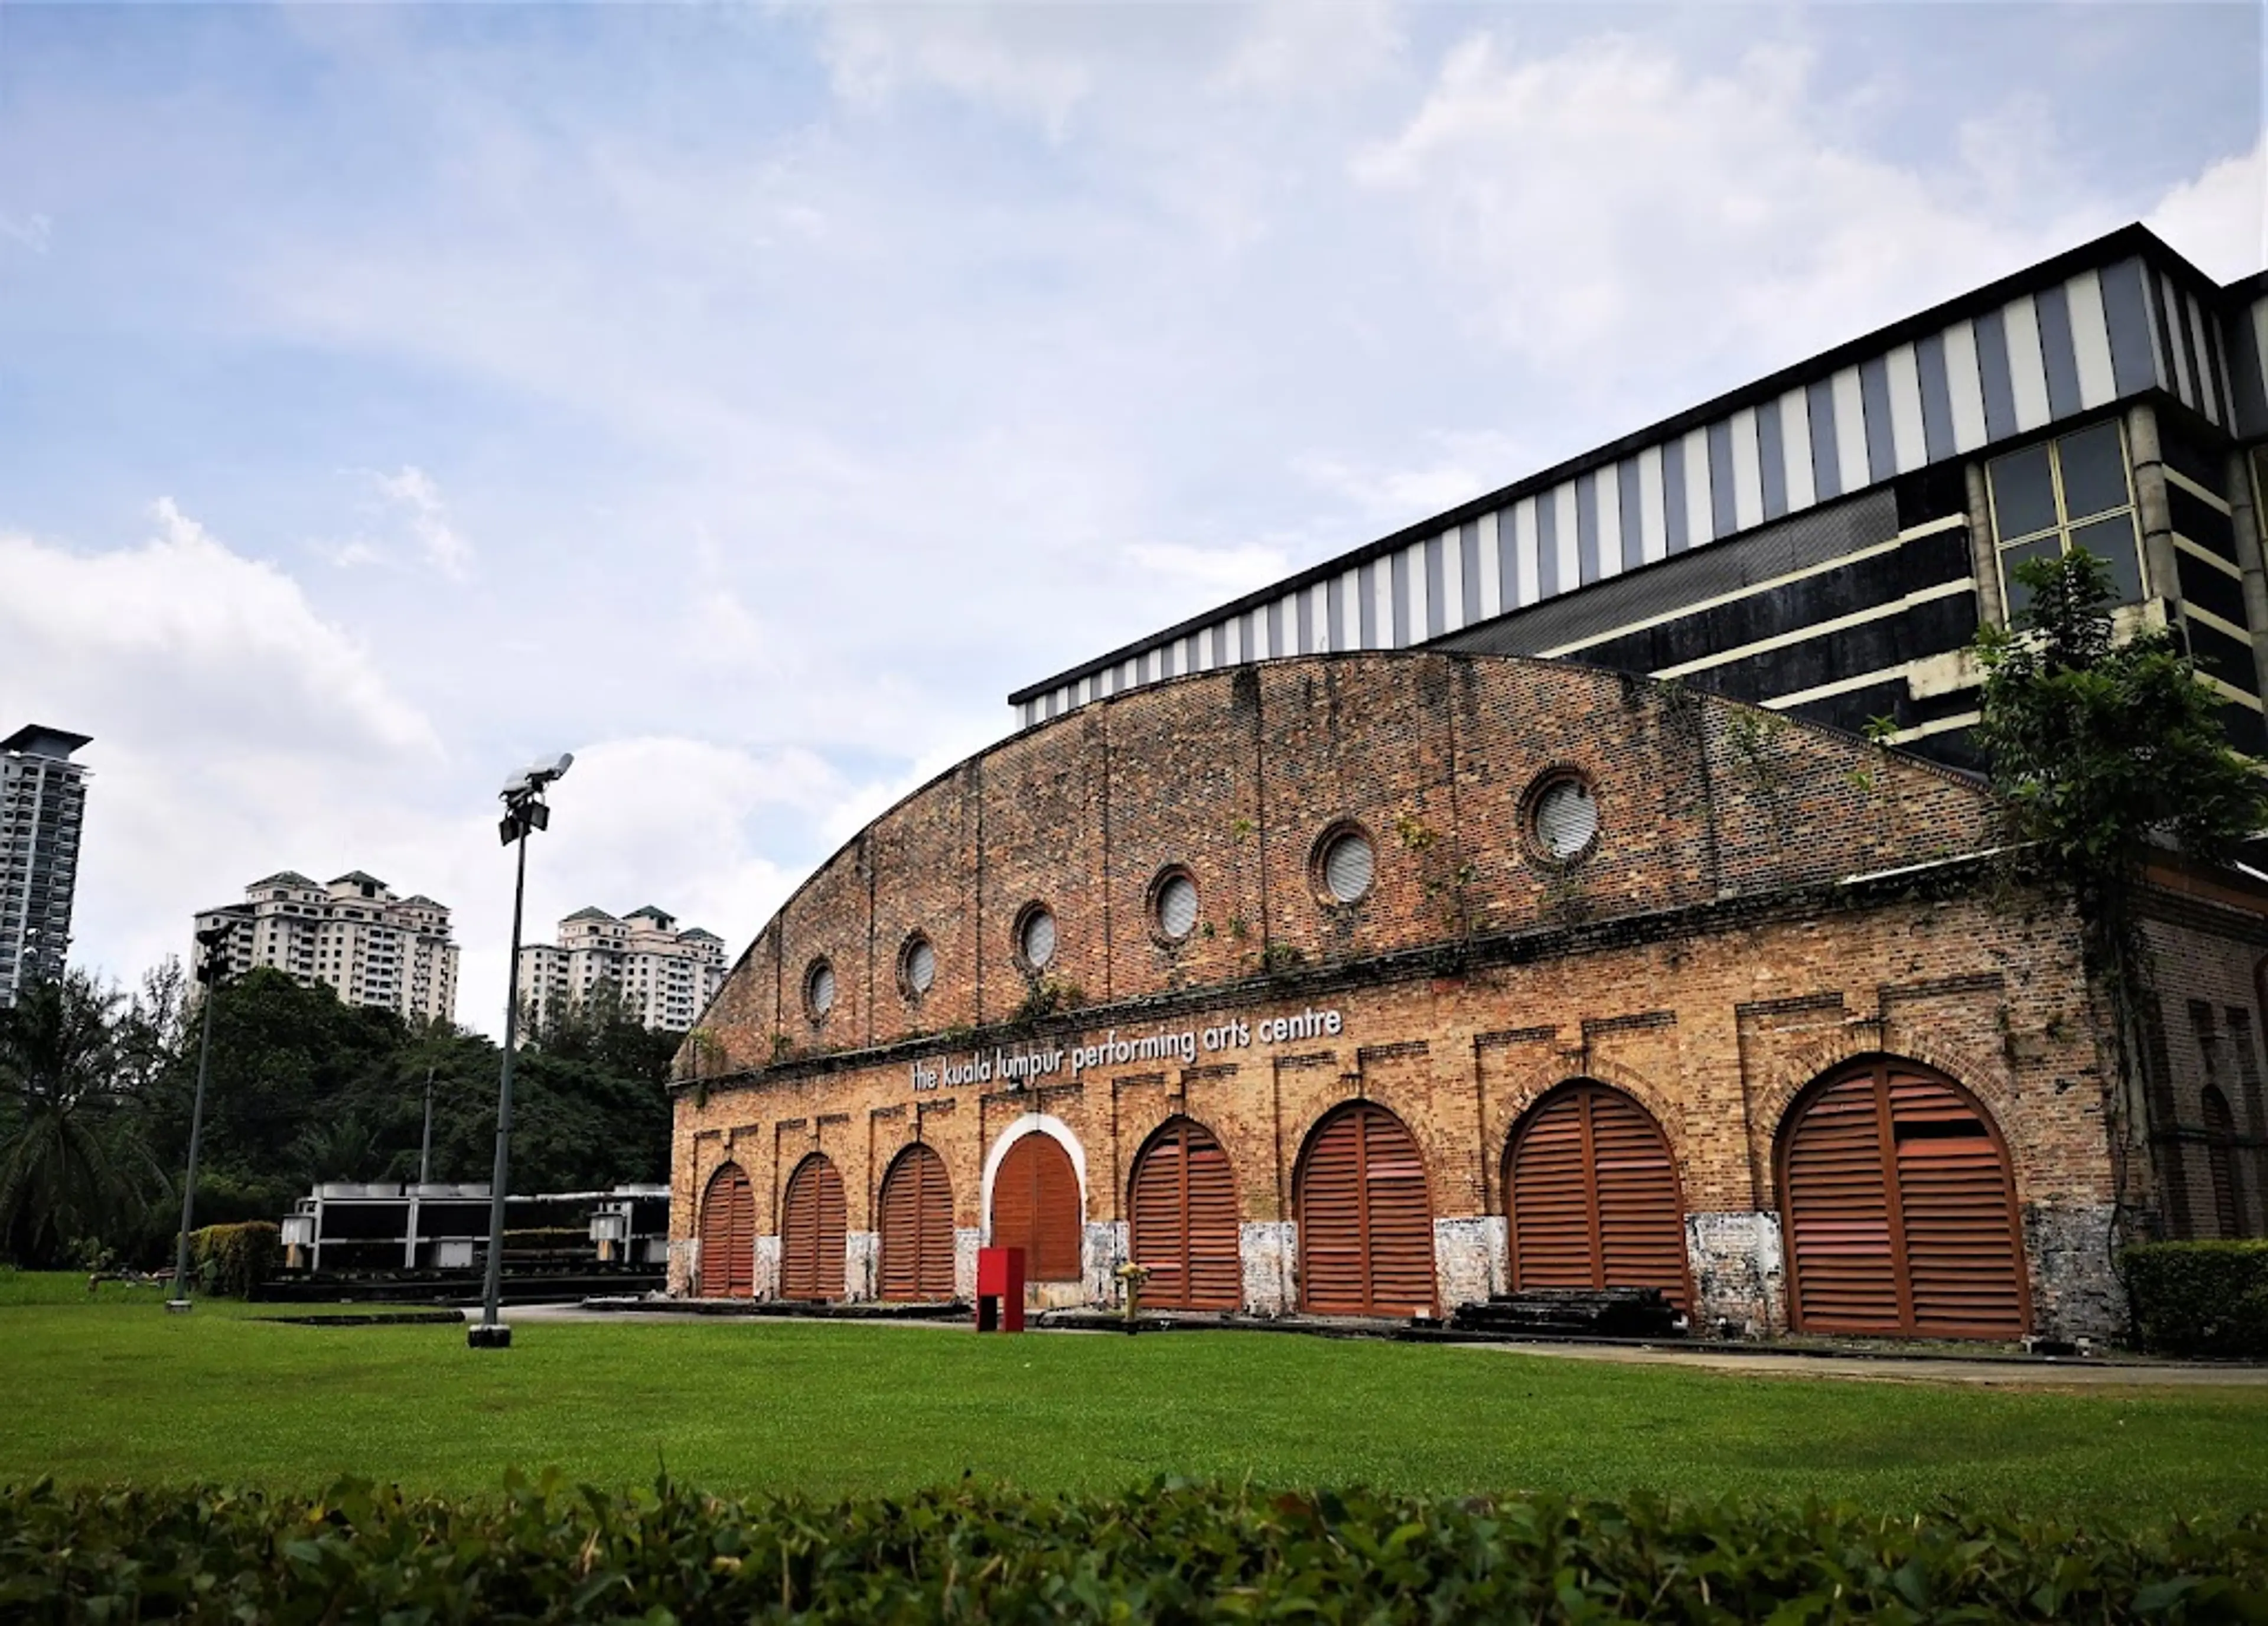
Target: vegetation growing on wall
{"points": [[2105, 751]]}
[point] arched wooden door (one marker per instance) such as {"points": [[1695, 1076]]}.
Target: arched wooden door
{"points": [[1183, 1201], [728, 1235], [1035, 1207], [813, 1219], [917, 1227], [1592, 1197], [1366, 1219], [1900, 1208]]}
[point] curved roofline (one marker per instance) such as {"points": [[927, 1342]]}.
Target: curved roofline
{"points": [[1950, 775]]}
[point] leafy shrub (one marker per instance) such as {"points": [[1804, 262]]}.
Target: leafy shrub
{"points": [[1173, 1552], [2199, 1297], [236, 1260]]}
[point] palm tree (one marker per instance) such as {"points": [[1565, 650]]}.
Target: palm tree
{"points": [[71, 1161]]}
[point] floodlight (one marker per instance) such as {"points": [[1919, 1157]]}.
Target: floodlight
{"points": [[517, 785]]}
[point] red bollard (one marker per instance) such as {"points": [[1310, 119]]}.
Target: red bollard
{"points": [[999, 1290]]}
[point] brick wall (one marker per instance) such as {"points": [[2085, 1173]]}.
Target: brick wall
{"points": [[1716, 951], [1234, 775], [2206, 944]]}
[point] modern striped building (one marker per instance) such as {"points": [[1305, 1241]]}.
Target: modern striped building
{"points": [[1826, 540]]}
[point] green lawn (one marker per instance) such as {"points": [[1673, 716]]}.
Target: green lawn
{"points": [[115, 1389]]}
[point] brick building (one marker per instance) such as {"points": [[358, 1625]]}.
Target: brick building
{"points": [[1369, 983]]}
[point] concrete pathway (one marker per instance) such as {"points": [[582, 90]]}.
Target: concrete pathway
{"points": [[1775, 1363], [1906, 1369]]}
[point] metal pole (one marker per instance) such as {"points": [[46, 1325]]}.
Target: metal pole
{"points": [[425, 1150], [180, 1302], [491, 1334]]}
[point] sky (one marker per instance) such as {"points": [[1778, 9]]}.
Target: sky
{"points": [[747, 398]]}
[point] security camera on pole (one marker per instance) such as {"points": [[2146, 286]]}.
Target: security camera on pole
{"points": [[211, 964], [524, 810]]}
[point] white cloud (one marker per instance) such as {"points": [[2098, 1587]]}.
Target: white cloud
{"points": [[411, 492], [2220, 219], [34, 232], [1608, 205], [235, 730], [1027, 66], [1461, 467], [1229, 571], [181, 637]]}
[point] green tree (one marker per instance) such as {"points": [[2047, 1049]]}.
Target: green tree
{"points": [[74, 1166], [2106, 752]]}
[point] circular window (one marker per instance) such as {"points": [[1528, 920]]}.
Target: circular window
{"points": [[1035, 937], [917, 965], [1174, 904], [1563, 818], [819, 989], [1345, 865]]}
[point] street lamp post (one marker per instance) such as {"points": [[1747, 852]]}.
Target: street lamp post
{"points": [[210, 942], [524, 810]]}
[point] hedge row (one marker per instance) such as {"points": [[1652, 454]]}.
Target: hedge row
{"points": [[1173, 1552], [234, 1260], [2199, 1298]]}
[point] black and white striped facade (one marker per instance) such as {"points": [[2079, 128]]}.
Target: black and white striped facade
{"points": [[1827, 540]]}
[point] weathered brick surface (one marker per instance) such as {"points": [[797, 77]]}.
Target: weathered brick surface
{"points": [[2206, 967], [1720, 948]]}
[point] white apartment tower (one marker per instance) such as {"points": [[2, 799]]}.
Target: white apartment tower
{"points": [[665, 977], [353, 935], [42, 800]]}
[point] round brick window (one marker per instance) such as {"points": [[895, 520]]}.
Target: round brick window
{"points": [[1562, 821], [1344, 866], [917, 965], [1174, 904], [1035, 937], [819, 989]]}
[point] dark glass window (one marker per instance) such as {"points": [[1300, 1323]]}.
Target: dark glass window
{"points": [[2093, 471], [2112, 541], [2023, 492], [2066, 493]]}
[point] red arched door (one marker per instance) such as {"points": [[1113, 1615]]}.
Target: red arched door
{"points": [[813, 1219], [1183, 1203], [1900, 1208], [917, 1227], [1035, 1207], [1366, 1219], [1592, 1197], [728, 1235]]}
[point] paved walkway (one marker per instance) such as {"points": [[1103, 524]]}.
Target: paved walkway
{"points": [[1778, 1363], [1907, 1369]]}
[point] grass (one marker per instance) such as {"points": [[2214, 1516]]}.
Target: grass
{"points": [[117, 1390]]}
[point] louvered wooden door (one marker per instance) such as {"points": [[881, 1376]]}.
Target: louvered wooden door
{"points": [[813, 1220], [1035, 1207], [1365, 1220], [1185, 1220], [1594, 1198], [728, 1235], [1900, 1210], [916, 1227]]}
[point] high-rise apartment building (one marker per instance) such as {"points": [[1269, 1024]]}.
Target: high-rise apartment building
{"points": [[353, 935], [665, 977], [42, 800]]}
